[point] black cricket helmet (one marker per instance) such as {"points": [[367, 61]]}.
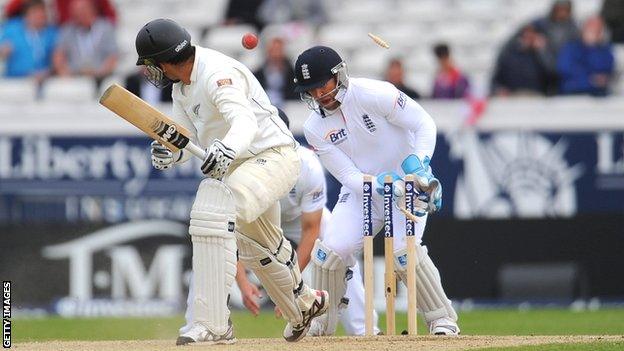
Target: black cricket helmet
{"points": [[314, 68], [160, 40]]}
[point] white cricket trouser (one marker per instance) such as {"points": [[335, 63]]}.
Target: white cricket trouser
{"points": [[344, 232]]}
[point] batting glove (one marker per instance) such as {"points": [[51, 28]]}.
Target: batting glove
{"points": [[162, 158], [429, 198], [218, 160]]}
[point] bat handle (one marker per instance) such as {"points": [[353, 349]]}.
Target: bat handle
{"points": [[196, 150]]}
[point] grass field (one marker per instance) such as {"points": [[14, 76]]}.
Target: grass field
{"points": [[478, 322]]}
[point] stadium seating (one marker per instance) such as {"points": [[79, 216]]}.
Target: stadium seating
{"points": [[17, 91], [475, 30], [69, 90]]}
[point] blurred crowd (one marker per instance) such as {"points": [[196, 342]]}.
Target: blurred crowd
{"points": [[554, 54], [77, 39]]}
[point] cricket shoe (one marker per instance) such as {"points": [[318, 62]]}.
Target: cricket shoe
{"points": [[294, 333], [200, 334], [318, 326], [444, 326]]}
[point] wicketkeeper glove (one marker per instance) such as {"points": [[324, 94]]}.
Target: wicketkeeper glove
{"points": [[218, 160], [429, 198]]}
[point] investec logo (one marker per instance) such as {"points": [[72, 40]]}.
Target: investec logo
{"points": [[134, 288], [387, 208], [366, 199], [336, 136]]}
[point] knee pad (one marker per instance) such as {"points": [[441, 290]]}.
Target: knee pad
{"points": [[330, 273], [279, 273], [214, 211], [432, 300], [213, 217]]}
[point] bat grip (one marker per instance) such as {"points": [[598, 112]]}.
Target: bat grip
{"points": [[196, 150]]}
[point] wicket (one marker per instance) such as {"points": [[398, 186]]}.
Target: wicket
{"points": [[389, 276]]}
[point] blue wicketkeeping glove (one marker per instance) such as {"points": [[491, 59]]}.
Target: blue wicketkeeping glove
{"points": [[398, 185], [429, 198]]}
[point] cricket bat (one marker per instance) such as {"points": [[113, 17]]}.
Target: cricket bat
{"points": [[148, 119]]}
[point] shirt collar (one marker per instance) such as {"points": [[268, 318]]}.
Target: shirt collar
{"points": [[195, 64]]}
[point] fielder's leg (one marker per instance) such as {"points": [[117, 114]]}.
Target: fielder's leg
{"points": [[353, 316], [329, 273], [213, 218], [432, 300], [342, 240], [188, 314]]}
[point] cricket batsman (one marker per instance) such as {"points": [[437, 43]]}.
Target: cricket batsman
{"points": [[251, 162], [367, 127]]}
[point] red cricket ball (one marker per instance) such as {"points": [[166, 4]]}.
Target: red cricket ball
{"points": [[249, 41]]}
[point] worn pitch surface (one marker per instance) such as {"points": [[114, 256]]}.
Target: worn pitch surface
{"points": [[393, 343]]}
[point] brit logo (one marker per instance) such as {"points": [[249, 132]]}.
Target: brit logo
{"points": [[368, 122], [304, 71], [336, 136]]}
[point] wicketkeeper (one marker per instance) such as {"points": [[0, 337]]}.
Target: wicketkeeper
{"points": [[362, 126]]}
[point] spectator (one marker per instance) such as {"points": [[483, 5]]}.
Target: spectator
{"points": [[276, 75], [282, 11], [27, 43], [138, 84], [104, 8], [450, 82], [613, 14], [394, 74], [521, 66], [559, 28], [244, 12], [586, 65], [13, 9], [87, 44]]}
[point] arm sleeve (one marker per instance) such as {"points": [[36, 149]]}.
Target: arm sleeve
{"points": [[228, 90], [336, 162], [179, 116], [314, 192], [401, 110]]}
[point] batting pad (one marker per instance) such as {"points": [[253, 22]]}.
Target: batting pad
{"points": [[213, 218], [330, 273], [279, 274], [432, 300]]}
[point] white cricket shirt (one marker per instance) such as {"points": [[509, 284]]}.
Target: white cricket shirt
{"points": [[225, 101], [375, 128], [308, 194]]}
